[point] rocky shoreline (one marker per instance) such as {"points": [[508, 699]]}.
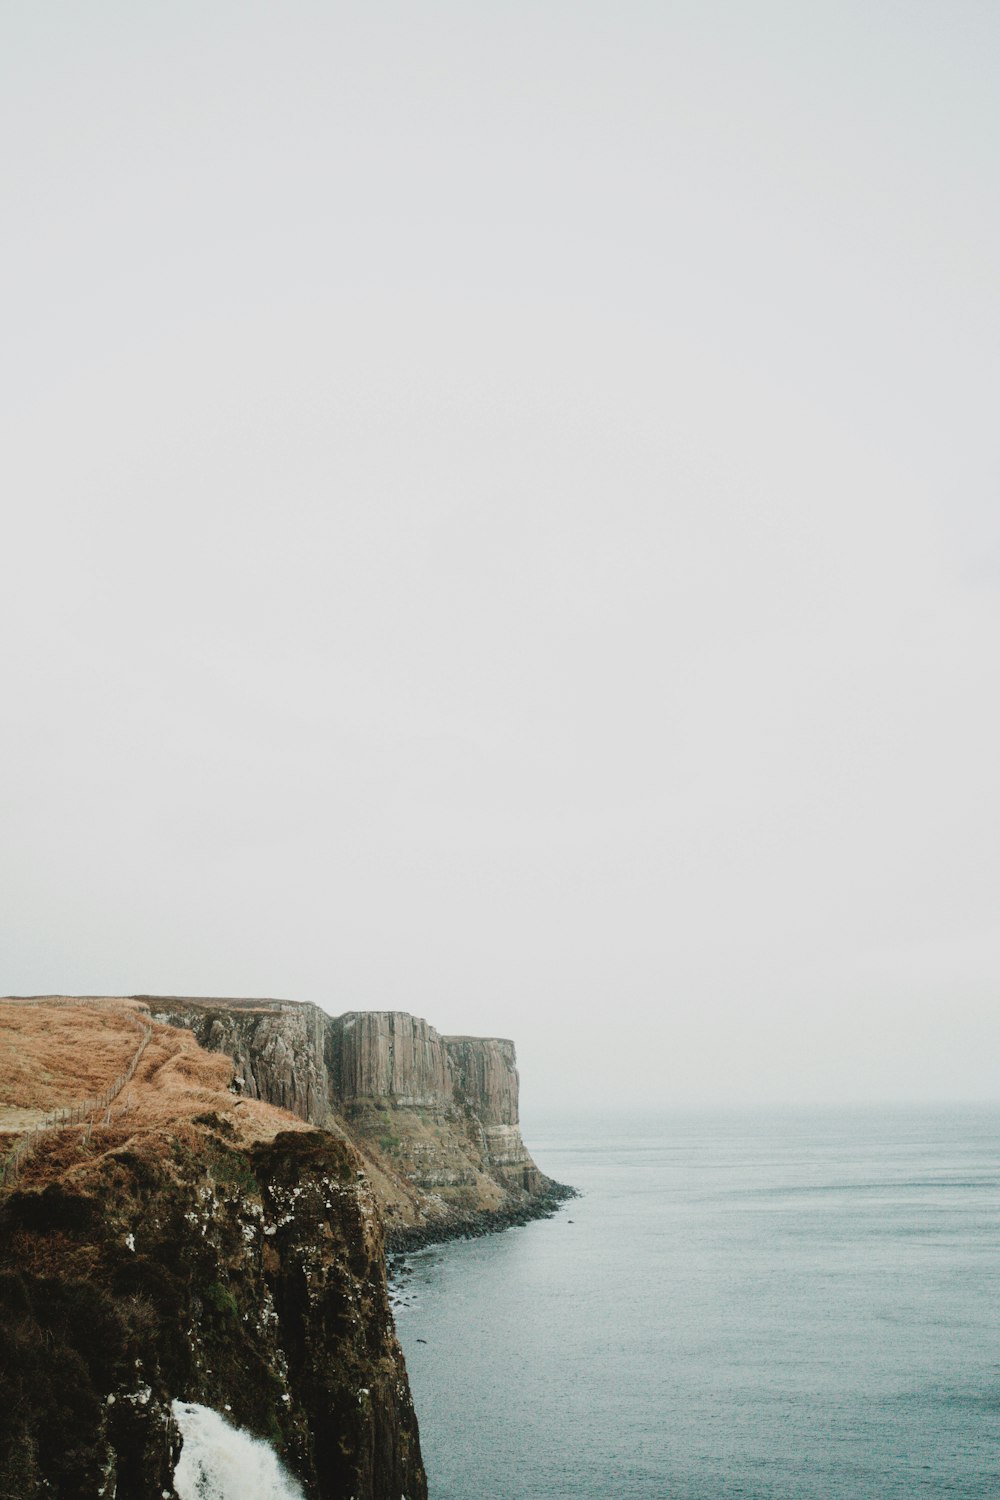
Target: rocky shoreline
{"points": [[406, 1239]]}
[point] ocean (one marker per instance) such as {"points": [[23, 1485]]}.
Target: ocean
{"points": [[770, 1306]]}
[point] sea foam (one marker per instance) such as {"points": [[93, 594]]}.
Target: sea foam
{"points": [[221, 1462]]}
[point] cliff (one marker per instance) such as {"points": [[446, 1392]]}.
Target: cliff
{"points": [[199, 1245], [435, 1118]]}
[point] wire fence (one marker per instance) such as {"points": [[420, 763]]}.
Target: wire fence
{"points": [[83, 1111]]}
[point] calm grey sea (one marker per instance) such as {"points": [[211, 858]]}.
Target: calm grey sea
{"points": [[770, 1306]]}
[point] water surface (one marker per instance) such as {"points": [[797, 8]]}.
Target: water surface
{"points": [[771, 1307]]}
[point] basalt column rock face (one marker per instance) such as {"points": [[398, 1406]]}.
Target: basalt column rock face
{"points": [[387, 1054], [435, 1118], [484, 1072], [279, 1048]]}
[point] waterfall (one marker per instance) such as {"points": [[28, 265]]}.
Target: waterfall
{"points": [[222, 1462]]}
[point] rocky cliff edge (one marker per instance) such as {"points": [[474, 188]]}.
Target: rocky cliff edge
{"points": [[435, 1118]]}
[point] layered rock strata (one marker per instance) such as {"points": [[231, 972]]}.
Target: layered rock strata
{"points": [[435, 1117], [484, 1071]]}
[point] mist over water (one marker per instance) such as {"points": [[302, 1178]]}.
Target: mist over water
{"points": [[222, 1462], [793, 1306]]}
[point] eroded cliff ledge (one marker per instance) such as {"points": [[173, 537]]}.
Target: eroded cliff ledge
{"points": [[434, 1117]]}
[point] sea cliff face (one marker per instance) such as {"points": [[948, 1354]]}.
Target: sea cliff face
{"points": [[205, 1247], [434, 1117], [217, 1234], [485, 1076], [277, 1046], [385, 1054]]}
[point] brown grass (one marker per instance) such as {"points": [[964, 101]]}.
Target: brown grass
{"points": [[52, 1054], [57, 1054], [177, 1080]]}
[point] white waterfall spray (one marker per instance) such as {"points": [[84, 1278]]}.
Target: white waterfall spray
{"points": [[222, 1462]]}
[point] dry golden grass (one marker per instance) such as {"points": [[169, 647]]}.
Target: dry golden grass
{"points": [[80, 1049], [177, 1080], [52, 1055]]}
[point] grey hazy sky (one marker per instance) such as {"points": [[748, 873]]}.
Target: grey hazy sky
{"points": [[500, 521]]}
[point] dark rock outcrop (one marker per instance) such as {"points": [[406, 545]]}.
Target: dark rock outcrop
{"points": [[252, 1280]]}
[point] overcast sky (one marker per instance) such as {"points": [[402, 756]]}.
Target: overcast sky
{"points": [[501, 521]]}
